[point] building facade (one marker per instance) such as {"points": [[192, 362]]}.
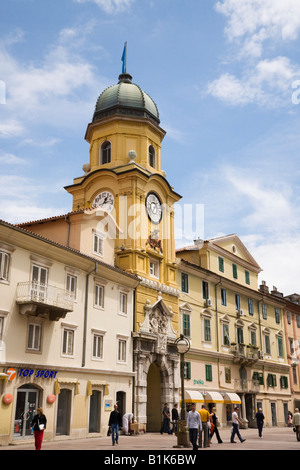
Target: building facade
{"points": [[65, 335], [236, 330]]}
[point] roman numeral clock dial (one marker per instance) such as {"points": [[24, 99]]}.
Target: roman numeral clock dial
{"points": [[153, 208]]}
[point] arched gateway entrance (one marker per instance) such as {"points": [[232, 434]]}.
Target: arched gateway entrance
{"points": [[156, 366]]}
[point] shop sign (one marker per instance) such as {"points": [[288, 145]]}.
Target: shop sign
{"points": [[198, 382], [38, 374]]}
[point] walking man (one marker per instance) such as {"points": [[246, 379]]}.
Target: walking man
{"points": [[260, 421], [204, 414], [166, 420], [296, 423], [194, 425], [115, 422], [235, 426]]}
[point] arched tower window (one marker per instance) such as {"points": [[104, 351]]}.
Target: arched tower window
{"points": [[152, 156], [105, 153]]}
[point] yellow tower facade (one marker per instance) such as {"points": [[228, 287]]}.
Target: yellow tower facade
{"points": [[125, 184]]}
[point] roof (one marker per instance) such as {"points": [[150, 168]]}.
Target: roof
{"points": [[64, 247], [125, 98]]}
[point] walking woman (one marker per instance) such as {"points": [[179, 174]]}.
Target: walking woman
{"points": [[215, 430], [38, 424]]}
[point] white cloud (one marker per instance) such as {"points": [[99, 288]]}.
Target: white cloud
{"points": [[11, 128], [256, 21], [110, 6], [10, 159], [269, 84]]}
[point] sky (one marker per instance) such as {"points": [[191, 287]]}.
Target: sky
{"points": [[225, 75]]}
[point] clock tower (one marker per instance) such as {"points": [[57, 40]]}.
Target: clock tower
{"points": [[124, 181]]}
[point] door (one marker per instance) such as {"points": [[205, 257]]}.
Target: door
{"points": [[39, 282], [273, 413], [63, 412], [121, 402], [95, 407], [27, 403], [154, 404]]}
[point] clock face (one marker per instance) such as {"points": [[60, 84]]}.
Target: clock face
{"points": [[153, 208], [105, 201]]}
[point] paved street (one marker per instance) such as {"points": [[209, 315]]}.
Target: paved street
{"points": [[273, 439]]}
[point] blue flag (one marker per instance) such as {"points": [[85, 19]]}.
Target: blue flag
{"points": [[123, 59]]}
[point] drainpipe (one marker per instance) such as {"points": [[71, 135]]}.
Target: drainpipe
{"points": [[67, 220], [133, 355], [217, 321], [86, 314]]}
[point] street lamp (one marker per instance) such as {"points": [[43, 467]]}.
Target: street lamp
{"points": [[183, 345]]}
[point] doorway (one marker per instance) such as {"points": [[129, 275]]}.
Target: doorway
{"points": [[27, 404], [273, 413], [63, 412], [154, 405], [95, 415]]}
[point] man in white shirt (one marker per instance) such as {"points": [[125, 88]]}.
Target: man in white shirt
{"points": [[296, 422], [194, 424], [235, 426], [127, 419]]}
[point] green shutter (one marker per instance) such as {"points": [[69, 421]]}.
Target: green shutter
{"points": [[247, 277], [234, 271], [221, 264], [208, 372]]}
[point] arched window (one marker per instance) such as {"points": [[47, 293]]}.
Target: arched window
{"points": [[105, 152], [152, 157]]}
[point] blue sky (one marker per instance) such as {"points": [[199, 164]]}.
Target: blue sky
{"points": [[224, 75]]}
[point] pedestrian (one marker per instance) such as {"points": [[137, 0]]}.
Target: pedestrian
{"points": [[194, 425], [175, 418], [296, 423], [235, 426], [260, 421], [38, 424], [215, 422], [290, 419], [115, 424], [166, 420], [127, 420], [204, 414]]}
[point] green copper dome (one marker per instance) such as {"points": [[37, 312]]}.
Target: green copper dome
{"points": [[125, 98]]}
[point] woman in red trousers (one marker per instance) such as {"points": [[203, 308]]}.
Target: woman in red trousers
{"points": [[39, 423]]}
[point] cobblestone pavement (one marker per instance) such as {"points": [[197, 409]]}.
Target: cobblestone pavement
{"points": [[273, 439]]}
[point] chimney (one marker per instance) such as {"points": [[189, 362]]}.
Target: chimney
{"points": [[276, 292], [263, 287]]}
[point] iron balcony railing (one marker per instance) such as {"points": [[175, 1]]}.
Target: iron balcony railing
{"points": [[52, 296]]}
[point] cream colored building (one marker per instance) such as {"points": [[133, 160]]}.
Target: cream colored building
{"points": [[65, 333], [238, 353]]}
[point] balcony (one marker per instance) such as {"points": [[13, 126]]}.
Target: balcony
{"points": [[43, 300], [246, 386], [243, 354]]}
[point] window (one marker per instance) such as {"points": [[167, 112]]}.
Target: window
{"points": [[123, 303], [208, 372], [122, 350], [288, 317], [71, 285], [240, 334], [39, 277], [283, 381], [152, 158], [97, 346], [99, 296], [68, 342], [271, 380], [34, 337], [264, 311], [187, 370], [258, 377], [253, 337], [185, 283], [250, 307], [205, 290], [186, 324], [1, 327], [98, 244], [207, 332], [267, 343], [280, 346], [227, 375], [223, 297], [221, 264], [226, 338], [237, 302], [234, 271], [277, 315], [105, 153], [4, 265], [298, 321], [247, 277], [154, 268]]}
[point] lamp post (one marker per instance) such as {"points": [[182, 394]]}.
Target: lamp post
{"points": [[183, 345]]}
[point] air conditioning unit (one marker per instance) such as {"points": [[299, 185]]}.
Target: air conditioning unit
{"points": [[241, 313], [208, 303]]}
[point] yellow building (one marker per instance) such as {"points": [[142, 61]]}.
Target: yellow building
{"points": [[292, 337], [238, 352]]}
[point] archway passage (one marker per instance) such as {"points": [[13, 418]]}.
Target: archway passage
{"points": [[154, 405]]}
